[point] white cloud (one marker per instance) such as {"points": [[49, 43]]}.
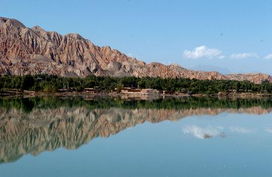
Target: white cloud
{"points": [[240, 130], [203, 133], [269, 56], [210, 53], [203, 52], [244, 55]]}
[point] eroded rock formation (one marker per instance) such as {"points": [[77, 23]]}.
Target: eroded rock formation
{"points": [[26, 50]]}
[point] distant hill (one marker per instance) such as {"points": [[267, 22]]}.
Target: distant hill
{"points": [[33, 51]]}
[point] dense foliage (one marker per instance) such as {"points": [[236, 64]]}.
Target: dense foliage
{"points": [[49, 83]]}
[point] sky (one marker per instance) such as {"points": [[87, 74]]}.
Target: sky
{"points": [[229, 36]]}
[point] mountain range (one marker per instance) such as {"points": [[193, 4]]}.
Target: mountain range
{"points": [[34, 50]]}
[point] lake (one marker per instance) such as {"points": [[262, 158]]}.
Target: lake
{"points": [[190, 137]]}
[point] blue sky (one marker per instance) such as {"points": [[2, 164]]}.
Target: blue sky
{"points": [[224, 35]]}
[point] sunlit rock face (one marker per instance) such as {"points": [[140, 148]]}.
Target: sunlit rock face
{"points": [[70, 127], [33, 50]]}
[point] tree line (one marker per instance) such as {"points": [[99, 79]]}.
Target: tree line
{"points": [[52, 83]]}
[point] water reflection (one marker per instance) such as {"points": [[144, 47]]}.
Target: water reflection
{"points": [[204, 132], [218, 131], [35, 125]]}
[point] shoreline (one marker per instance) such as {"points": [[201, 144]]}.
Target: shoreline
{"points": [[115, 94]]}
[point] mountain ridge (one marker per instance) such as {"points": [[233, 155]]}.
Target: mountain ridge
{"points": [[34, 50]]}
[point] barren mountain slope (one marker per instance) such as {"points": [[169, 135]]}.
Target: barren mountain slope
{"points": [[34, 51]]}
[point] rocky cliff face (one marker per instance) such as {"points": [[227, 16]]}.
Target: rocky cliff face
{"points": [[26, 50]]}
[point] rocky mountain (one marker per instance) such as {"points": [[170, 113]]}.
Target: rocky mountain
{"points": [[33, 50]]}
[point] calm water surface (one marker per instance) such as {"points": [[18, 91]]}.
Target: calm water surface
{"points": [[45, 137]]}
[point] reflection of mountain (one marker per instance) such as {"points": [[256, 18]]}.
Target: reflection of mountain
{"points": [[46, 129], [49, 129]]}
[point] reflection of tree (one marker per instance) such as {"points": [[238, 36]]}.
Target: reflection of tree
{"points": [[28, 104], [45, 124]]}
